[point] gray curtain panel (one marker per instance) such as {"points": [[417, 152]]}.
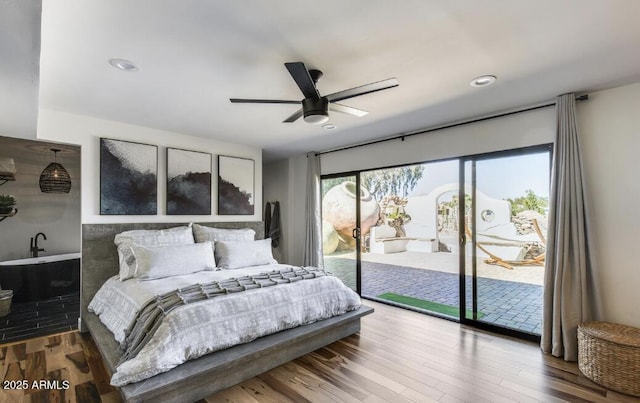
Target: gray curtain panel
{"points": [[570, 283], [312, 254]]}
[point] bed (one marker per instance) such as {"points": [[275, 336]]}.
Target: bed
{"points": [[215, 371]]}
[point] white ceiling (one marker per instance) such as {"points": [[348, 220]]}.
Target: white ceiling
{"points": [[193, 55]]}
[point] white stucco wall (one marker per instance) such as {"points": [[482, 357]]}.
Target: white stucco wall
{"points": [[86, 131], [423, 211]]}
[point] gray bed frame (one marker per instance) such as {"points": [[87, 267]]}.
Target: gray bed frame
{"points": [[206, 375]]}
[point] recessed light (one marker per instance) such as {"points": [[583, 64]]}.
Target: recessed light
{"points": [[329, 126], [483, 81], [124, 65]]}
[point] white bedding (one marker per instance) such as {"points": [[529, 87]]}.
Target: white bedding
{"points": [[203, 327]]}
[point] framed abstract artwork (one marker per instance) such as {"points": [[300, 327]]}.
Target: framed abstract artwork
{"points": [[128, 178], [236, 184], [188, 182]]}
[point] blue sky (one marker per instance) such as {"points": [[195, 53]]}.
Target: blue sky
{"points": [[500, 178]]}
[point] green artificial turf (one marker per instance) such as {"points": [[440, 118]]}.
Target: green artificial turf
{"points": [[427, 305]]}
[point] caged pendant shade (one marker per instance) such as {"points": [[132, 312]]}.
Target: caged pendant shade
{"points": [[54, 178]]}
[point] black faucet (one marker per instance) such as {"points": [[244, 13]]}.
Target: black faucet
{"points": [[34, 245]]}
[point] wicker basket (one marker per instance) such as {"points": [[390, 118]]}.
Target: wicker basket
{"points": [[609, 355], [5, 302]]}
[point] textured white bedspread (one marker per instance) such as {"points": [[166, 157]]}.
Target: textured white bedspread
{"points": [[118, 302], [203, 327]]}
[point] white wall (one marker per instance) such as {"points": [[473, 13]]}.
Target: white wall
{"points": [[609, 125], [87, 131], [514, 131], [276, 189], [285, 181]]}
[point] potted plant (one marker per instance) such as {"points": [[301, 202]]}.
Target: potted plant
{"points": [[7, 202]]}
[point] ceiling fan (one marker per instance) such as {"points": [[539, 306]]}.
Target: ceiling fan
{"points": [[315, 108]]}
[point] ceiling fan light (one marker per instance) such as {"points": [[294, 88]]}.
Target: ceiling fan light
{"points": [[316, 119]]}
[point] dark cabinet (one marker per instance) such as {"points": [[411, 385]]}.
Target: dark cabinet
{"points": [[35, 282]]}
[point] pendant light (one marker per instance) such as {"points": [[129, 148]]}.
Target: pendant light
{"points": [[54, 178]]}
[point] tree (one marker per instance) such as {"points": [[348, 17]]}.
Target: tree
{"points": [[383, 182], [530, 201], [392, 181]]}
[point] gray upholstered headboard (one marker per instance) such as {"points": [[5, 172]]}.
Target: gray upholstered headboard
{"points": [[100, 258]]}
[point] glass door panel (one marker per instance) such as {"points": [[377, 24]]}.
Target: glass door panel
{"points": [[339, 225], [409, 222], [505, 233]]}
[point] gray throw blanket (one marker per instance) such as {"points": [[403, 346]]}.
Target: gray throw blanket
{"points": [[150, 316]]}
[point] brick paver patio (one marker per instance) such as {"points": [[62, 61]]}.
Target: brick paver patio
{"points": [[512, 304]]}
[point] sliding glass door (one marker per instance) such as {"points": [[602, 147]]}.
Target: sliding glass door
{"points": [[438, 236], [505, 232]]}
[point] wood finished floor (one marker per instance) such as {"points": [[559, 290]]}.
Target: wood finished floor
{"points": [[399, 356]]}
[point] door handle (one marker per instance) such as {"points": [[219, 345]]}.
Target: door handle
{"points": [[355, 233]]}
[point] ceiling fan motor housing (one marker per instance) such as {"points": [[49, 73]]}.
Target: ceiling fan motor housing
{"points": [[316, 110]]}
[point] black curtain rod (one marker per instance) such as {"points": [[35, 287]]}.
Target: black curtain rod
{"points": [[401, 137]]}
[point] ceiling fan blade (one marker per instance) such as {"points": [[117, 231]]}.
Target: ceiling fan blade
{"points": [[302, 77], [347, 109], [261, 101], [363, 89], [294, 117]]}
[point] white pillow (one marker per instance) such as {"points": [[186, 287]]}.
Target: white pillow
{"points": [[235, 254], [203, 234], [154, 262], [124, 241]]}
